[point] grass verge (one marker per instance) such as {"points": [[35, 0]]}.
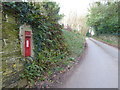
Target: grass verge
{"points": [[108, 41], [74, 42]]}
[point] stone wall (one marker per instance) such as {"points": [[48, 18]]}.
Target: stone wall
{"points": [[11, 52], [0, 49]]}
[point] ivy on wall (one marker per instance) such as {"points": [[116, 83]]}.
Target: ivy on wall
{"points": [[49, 47]]}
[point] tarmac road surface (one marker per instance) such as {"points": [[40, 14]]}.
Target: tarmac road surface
{"points": [[99, 68]]}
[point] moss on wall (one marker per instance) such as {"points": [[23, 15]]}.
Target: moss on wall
{"points": [[11, 56]]}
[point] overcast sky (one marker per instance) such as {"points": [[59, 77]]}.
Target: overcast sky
{"points": [[79, 7]]}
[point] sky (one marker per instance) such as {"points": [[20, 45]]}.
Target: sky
{"points": [[78, 7]]}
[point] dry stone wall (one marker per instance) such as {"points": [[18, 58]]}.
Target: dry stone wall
{"points": [[11, 53]]}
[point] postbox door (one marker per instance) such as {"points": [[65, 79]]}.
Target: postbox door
{"points": [[27, 46]]}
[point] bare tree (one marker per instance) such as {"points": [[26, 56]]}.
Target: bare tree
{"points": [[77, 22]]}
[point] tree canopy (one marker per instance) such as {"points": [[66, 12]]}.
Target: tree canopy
{"points": [[103, 17]]}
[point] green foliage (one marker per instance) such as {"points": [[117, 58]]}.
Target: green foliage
{"points": [[32, 71], [74, 42], [88, 34], [71, 59], [49, 40], [49, 47], [103, 17]]}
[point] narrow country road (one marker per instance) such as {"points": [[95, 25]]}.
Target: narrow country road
{"points": [[99, 68]]}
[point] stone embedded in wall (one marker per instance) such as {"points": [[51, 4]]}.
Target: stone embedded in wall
{"points": [[24, 28]]}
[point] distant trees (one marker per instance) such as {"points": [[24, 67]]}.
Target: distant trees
{"points": [[77, 22], [103, 17], [88, 34]]}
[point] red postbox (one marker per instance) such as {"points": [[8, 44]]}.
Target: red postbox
{"points": [[27, 44]]}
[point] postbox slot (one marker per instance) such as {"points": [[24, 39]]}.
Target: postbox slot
{"points": [[27, 43], [28, 36]]}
